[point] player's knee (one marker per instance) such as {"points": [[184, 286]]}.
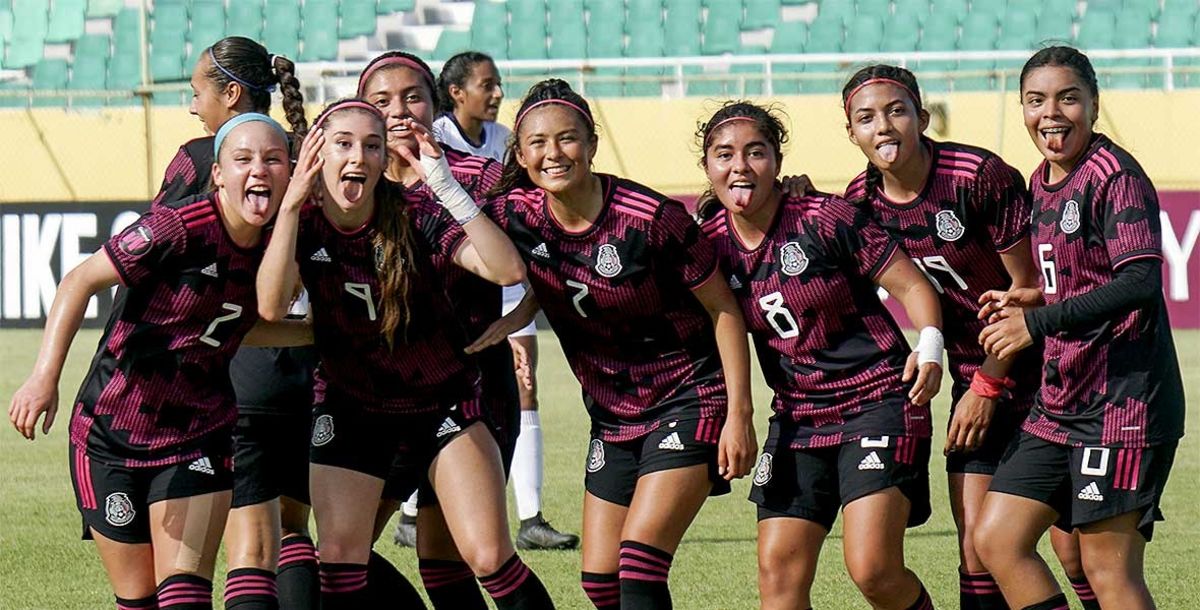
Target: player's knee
{"points": [[260, 554], [989, 543], [486, 559], [971, 561], [1105, 569], [779, 573], [877, 578]]}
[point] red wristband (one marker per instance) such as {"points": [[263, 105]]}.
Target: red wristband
{"points": [[986, 386]]}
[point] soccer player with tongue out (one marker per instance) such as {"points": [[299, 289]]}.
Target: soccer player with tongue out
{"points": [[851, 426], [1097, 448]]}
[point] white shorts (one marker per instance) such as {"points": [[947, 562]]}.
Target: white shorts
{"points": [[512, 296]]}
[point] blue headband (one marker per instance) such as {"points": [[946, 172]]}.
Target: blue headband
{"points": [[268, 87], [245, 117]]}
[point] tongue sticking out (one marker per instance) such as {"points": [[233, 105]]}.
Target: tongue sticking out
{"points": [[352, 190], [1055, 141], [889, 152], [259, 201], [741, 196]]}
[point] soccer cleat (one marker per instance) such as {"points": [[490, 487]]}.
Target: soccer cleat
{"points": [[536, 533], [406, 532]]}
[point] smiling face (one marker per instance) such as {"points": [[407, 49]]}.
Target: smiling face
{"points": [[480, 95], [212, 105], [252, 171], [401, 92], [886, 125], [742, 166], [354, 155], [556, 148], [1059, 111]]}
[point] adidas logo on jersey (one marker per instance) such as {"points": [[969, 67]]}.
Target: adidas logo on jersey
{"points": [[871, 462], [321, 256], [447, 427], [541, 251], [734, 282], [210, 271], [671, 442], [202, 465], [1091, 492]]}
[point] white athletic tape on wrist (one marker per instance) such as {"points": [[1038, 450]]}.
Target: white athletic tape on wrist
{"points": [[931, 346], [449, 192]]}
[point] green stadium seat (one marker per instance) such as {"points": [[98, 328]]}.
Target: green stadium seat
{"points": [[722, 32], [916, 8], [320, 41], [357, 18], [840, 10], [682, 31], [957, 8], [97, 9], [901, 33], [825, 35], [50, 75], [979, 32], [1175, 32], [1097, 30], [793, 2], [880, 9], [489, 28], [645, 12], [761, 14], [208, 26], [605, 34], [245, 18], [1030, 7], [789, 37], [29, 34], [89, 67], [281, 28], [645, 41], [995, 8], [387, 7], [568, 41], [566, 15], [939, 32], [1108, 6], [13, 102], [451, 42], [526, 10], [527, 39], [6, 26], [167, 46], [1054, 24], [863, 34], [66, 21], [1018, 24]]}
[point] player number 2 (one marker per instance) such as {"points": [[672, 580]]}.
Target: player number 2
{"points": [[928, 264], [1048, 268], [363, 291], [777, 315], [577, 300], [235, 311]]}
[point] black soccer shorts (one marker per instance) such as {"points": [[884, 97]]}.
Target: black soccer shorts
{"points": [[1005, 426], [613, 468], [270, 456]]}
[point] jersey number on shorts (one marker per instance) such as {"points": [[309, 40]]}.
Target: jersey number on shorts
{"points": [[777, 315], [1048, 273], [577, 300], [363, 291], [235, 311], [929, 264]]}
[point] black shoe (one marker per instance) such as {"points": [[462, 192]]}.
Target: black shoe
{"points": [[536, 533], [406, 532]]}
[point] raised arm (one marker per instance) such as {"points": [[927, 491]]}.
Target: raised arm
{"points": [[279, 276]]}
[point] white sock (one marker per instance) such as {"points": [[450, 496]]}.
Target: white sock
{"points": [[409, 507], [527, 466]]}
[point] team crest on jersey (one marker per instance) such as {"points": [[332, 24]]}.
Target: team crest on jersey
{"points": [[1070, 217], [136, 241], [949, 227], [792, 259], [762, 472], [608, 262], [118, 510], [596, 456], [322, 430]]}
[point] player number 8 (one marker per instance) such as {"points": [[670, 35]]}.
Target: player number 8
{"points": [[777, 315]]}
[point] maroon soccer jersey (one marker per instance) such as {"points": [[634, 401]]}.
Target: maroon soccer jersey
{"points": [[426, 366], [1115, 384], [972, 208], [189, 173], [619, 298], [827, 346], [158, 390]]}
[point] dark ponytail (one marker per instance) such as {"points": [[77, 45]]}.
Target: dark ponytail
{"points": [[874, 179], [455, 72], [237, 59], [514, 176], [293, 97]]}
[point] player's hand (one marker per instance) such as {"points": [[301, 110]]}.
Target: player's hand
{"points": [[797, 186], [1007, 333], [500, 330], [36, 396], [427, 146], [928, 383], [737, 448], [522, 365], [972, 416], [307, 173], [993, 301]]}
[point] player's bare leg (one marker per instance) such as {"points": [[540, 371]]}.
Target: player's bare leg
{"points": [[1066, 548], [186, 535], [966, 501], [1113, 552], [788, 550], [345, 504], [448, 580], [130, 567], [873, 546], [602, 524], [252, 536], [1006, 539]]}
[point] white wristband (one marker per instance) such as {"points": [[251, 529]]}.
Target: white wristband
{"points": [[930, 346], [449, 192]]}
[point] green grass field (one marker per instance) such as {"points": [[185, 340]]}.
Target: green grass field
{"points": [[44, 565]]}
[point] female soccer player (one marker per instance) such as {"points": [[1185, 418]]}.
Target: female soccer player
{"points": [[393, 382], [650, 330], [1097, 447], [152, 424], [847, 433], [470, 93], [962, 214]]}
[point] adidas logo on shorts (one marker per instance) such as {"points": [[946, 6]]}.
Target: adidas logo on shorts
{"points": [[321, 256], [210, 271], [1091, 492], [447, 427], [671, 442], [202, 465], [541, 251], [871, 462]]}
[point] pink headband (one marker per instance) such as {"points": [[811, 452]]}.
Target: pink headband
{"points": [[395, 60], [344, 105], [520, 117], [872, 81], [731, 119]]}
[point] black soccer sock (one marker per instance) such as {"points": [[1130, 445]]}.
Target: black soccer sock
{"points": [[144, 603], [251, 589], [450, 585], [924, 602], [604, 590], [184, 592], [387, 587], [515, 587], [297, 581], [344, 586], [1083, 590], [1058, 602], [979, 592], [644, 571]]}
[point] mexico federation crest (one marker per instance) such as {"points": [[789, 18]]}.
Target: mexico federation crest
{"points": [[118, 510], [1070, 217], [322, 430], [136, 241], [949, 227], [608, 263], [792, 259], [762, 472], [595, 456]]}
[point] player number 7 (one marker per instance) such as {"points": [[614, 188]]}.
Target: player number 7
{"points": [[235, 311], [578, 298]]}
